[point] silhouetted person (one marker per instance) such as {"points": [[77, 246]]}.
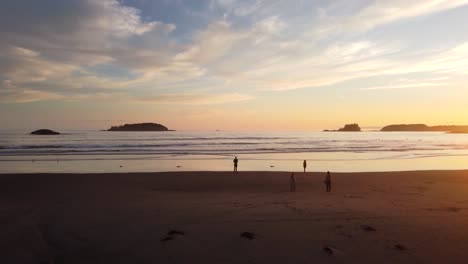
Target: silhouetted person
{"points": [[328, 182], [235, 163], [293, 183], [304, 164]]}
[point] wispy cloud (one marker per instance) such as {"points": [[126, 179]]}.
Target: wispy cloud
{"points": [[379, 13], [198, 99], [238, 8], [411, 83], [11, 93], [255, 45]]}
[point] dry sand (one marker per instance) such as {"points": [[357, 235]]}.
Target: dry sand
{"points": [[219, 217]]}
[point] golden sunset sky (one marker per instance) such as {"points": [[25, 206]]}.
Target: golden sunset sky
{"points": [[232, 65]]}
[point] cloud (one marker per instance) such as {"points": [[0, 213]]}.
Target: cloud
{"points": [[22, 65], [212, 43], [316, 66], [81, 32], [121, 21], [106, 50], [198, 99], [9, 92], [54, 41], [238, 8], [380, 13], [408, 84]]}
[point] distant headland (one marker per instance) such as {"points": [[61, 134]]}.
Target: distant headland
{"points": [[424, 128], [453, 129], [347, 128], [43, 132], [140, 127]]}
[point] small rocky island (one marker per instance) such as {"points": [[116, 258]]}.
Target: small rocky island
{"points": [[44, 132], [347, 128], [140, 127]]}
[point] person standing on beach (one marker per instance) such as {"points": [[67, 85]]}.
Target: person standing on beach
{"points": [[235, 163], [328, 182], [304, 164]]}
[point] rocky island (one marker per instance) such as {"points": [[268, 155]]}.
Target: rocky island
{"points": [[424, 128], [347, 128], [140, 127], [406, 127], [44, 132]]}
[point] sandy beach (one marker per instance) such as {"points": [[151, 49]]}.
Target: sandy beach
{"points": [[219, 217]]}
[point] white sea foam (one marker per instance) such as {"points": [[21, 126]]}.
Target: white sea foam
{"points": [[254, 146]]}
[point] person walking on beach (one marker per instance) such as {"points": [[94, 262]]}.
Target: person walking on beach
{"points": [[328, 182], [235, 163], [293, 183], [304, 164]]}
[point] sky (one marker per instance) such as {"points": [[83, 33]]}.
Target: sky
{"points": [[232, 65]]}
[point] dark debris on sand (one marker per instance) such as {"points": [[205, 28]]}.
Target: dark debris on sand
{"points": [[168, 238], [172, 234], [368, 228], [248, 235], [400, 247], [175, 232], [330, 250]]}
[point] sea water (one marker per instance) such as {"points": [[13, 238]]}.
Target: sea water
{"points": [[104, 151]]}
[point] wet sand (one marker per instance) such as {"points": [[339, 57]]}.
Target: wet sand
{"points": [[219, 217]]}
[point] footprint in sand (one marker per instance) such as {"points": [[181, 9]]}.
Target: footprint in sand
{"points": [[176, 233], [399, 247], [368, 228], [330, 250], [172, 235], [248, 235], [166, 239]]}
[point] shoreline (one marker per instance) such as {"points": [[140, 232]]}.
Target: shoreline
{"points": [[137, 173], [337, 162]]}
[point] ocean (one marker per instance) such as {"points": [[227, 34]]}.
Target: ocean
{"points": [[103, 151]]}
